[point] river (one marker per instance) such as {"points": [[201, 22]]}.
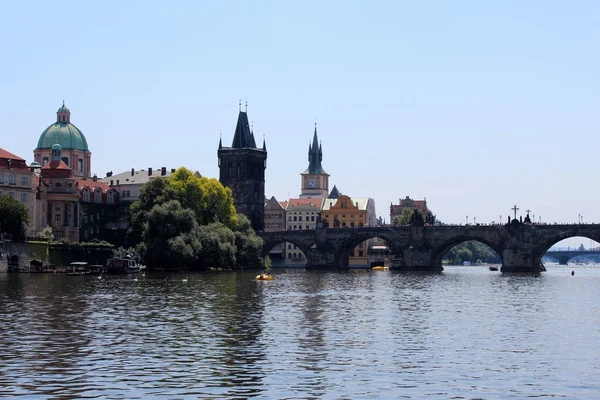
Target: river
{"points": [[464, 333]]}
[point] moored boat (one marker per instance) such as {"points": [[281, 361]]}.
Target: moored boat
{"points": [[78, 268], [122, 265], [493, 268]]}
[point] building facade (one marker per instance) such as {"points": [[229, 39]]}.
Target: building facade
{"points": [[412, 205], [314, 181], [300, 214], [345, 212], [242, 169], [17, 181], [74, 148], [58, 195]]}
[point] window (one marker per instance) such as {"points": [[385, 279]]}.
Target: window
{"points": [[11, 194], [24, 180], [110, 197], [57, 219], [44, 161], [98, 196], [65, 160], [12, 179], [23, 197], [1, 179], [312, 218], [86, 195], [295, 218], [300, 218], [80, 165], [360, 253]]}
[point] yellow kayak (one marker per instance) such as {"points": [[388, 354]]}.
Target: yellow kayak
{"points": [[380, 268], [264, 277]]}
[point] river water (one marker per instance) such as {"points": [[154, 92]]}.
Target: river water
{"points": [[465, 333]]}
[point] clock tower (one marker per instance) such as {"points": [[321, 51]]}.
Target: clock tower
{"points": [[314, 180]]}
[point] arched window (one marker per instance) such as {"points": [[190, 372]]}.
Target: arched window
{"points": [[98, 196], [44, 161], [65, 160], [80, 165]]}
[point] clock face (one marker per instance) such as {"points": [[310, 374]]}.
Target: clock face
{"points": [[312, 183]]}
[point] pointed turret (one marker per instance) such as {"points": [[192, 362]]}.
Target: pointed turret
{"points": [[242, 137], [315, 156], [264, 144], [335, 193]]}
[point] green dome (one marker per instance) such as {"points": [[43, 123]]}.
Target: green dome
{"points": [[56, 147], [65, 134], [64, 109]]}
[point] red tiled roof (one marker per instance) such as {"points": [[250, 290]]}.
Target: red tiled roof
{"points": [[283, 204], [6, 154], [316, 202], [93, 185], [56, 164]]}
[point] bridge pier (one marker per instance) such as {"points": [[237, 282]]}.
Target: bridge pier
{"points": [[317, 259], [414, 259], [520, 261]]}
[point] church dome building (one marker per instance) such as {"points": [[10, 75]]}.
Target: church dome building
{"points": [[75, 152]]}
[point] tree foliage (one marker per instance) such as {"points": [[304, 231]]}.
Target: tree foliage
{"points": [[14, 217], [405, 218], [190, 221], [170, 236], [472, 251]]}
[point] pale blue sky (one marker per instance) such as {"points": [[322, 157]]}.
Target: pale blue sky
{"points": [[475, 105]]}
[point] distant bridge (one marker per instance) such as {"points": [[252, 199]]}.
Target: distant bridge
{"points": [[563, 256], [414, 248]]}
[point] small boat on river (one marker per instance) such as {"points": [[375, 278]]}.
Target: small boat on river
{"points": [[264, 277], [122, 265], [493, 268], [78, 268]]}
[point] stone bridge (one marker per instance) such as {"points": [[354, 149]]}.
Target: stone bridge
{"points": [[413, 248], [563, 256]]}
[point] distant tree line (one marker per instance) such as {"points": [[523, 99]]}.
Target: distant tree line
{"points": [[472, 251]]}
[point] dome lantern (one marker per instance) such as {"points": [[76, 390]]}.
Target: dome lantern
{"points": [[63, 115], [56, 150]]}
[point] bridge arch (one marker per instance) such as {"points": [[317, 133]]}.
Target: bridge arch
{"points": [[445, 247], [273, 240], [544, 245], [347, 246]]}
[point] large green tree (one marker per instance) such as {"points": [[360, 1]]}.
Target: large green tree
{"points": [[219, 238], [13, 217], [171, 236], [208, 198]]}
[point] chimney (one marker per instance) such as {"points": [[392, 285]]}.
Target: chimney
{"points": [[150, 171], [173, 170], [163, 171], [132, 171], [109, 174], [95, 177]]}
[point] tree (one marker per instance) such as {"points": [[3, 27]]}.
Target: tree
{"points": [[581, 248], [248, 244], [13, 217], [208, 198], [170, 236], [217, 247], [405, 218], [152, 193]]}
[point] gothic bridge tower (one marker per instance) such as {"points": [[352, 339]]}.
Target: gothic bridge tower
{"points": [[242, 169], [314, 181]]}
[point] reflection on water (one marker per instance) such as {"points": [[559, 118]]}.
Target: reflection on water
{"points": [[466, 332]]}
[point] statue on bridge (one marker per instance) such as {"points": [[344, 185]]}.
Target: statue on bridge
{"points": [[416, 219]]}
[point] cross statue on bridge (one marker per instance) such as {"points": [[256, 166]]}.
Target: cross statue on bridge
{"points": [[515, 209], [528, 211]]}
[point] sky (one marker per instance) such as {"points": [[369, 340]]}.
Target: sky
{"points": [[476, 106]]}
